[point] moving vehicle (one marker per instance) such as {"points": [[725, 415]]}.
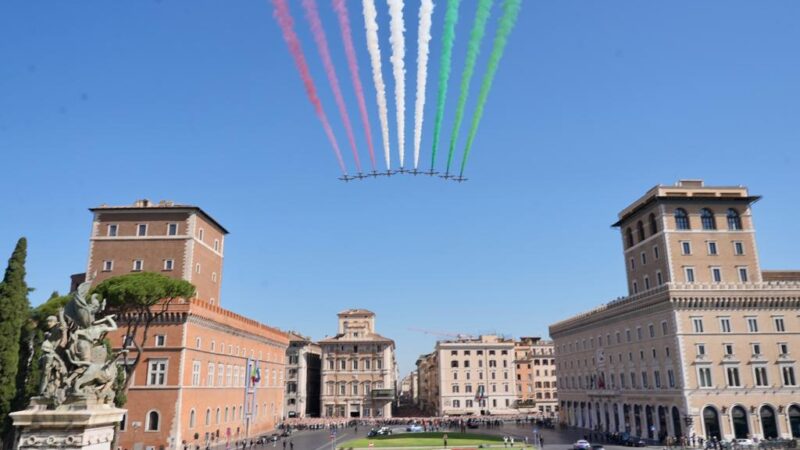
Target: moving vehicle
{"points": [[633, 441], [382, 431], [598, 447], [582, 445], [414, 428]]}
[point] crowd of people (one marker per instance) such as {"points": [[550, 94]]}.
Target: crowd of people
{"points": [[427, 423]]}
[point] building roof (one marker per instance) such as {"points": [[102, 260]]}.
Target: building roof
{"points": [[145, 205], [686, 191], [371, 337], [348, 312]]}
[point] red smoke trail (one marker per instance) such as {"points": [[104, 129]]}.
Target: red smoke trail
{"points": [[344, 24], [312, 14], [284, 18]]}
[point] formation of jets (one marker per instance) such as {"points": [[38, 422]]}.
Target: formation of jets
{"points": [[401, 171]]}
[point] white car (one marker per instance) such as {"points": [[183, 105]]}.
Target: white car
{"points": [[582, 445], [743, 442], [414, 428]]}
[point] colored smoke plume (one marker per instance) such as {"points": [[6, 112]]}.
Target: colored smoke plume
{"points": [[510, 12], [474, 45], [371, 26], [285, 21], [423, 47], [312, 14], [397, 41], [352, 62], [448, 39]]}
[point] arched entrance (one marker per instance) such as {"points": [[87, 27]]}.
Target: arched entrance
{"points": [[648, 413], [637, 419], [739, 418], [608, 421], [676, 422], [768, 423], [711, 422], [794, 420], [616, 416], [662, 422]]}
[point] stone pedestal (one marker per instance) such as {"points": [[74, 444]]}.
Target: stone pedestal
{"points": [[76, 426]]}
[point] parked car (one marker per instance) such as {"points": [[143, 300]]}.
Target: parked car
{"points": [[633, 441], [582, 445], [743, 442], [414, 428], [382, 431], [472, 423], [598, 447]]}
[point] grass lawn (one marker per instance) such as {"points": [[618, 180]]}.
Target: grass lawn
{"points": [[425, 440]]}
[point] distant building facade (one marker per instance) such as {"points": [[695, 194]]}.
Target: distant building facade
{"points": [[303, 377], [706, 342], [536, 376], [469, 376], [359, 369]]}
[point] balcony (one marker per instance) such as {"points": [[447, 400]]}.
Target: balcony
{"points": [[382, 394]]}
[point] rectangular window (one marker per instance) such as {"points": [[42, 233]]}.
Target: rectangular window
{"points": [[200, 234], [664, 328], [689, 274], [138, 265], [196, 373], [733, 376], [169, 264], [712, 248], [728, 348], [701, 349], [738, 248], [635, 287], [646, 282], [783, 348], [761, 376], [160, 340], [172, 229], [756, 349], [787, 373], [639, 333], [216, 245], [112, 230], [752, 324], [655, 252], [697, 324], [686, 248], [671, 378], [644, 258], [743, 274], [725, 324], [644, 380], [210, 376], [652, 330], [716, 274], [157, 372], [628, 335], [704, 377], [780, 327], [141, 229], [659, 278], [657, 379], [633, 264], [108, 266]]}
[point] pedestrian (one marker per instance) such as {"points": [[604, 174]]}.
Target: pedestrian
{"points": [[541, 442], [284, 444], [444, 438], [291, 445], [505, 441], [511, 439]]}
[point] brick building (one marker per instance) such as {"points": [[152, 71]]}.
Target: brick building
{"points": [[207, 374]]}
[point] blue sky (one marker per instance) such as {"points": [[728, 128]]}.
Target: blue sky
{"points": [[198, 101]]}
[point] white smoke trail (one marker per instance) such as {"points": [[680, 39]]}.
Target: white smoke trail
{"points": [[377, 76], [398, 56], [423, 41]]}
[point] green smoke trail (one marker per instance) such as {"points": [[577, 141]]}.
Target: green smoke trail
{"points": [[448, 38], [510, 12], [475, 37]]}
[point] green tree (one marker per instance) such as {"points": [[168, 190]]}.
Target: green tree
{"points": [[29, 374], [139, 300], [14, 308]]}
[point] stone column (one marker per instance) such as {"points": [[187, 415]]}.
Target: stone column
{"points": [[73, 427]]}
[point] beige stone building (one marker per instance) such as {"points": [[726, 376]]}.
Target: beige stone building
{"points": [[428, 376], [536, 376], [704, 344], [303, 376], [359, 370], [469, 376]]}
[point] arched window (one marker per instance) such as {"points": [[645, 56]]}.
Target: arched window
{"points": [[653, 224], [192, 418], [640, 230], [152, 422], [217, 416], [707, 219], [208, 416], [734, 221], [681, 219], [629, 237]]}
